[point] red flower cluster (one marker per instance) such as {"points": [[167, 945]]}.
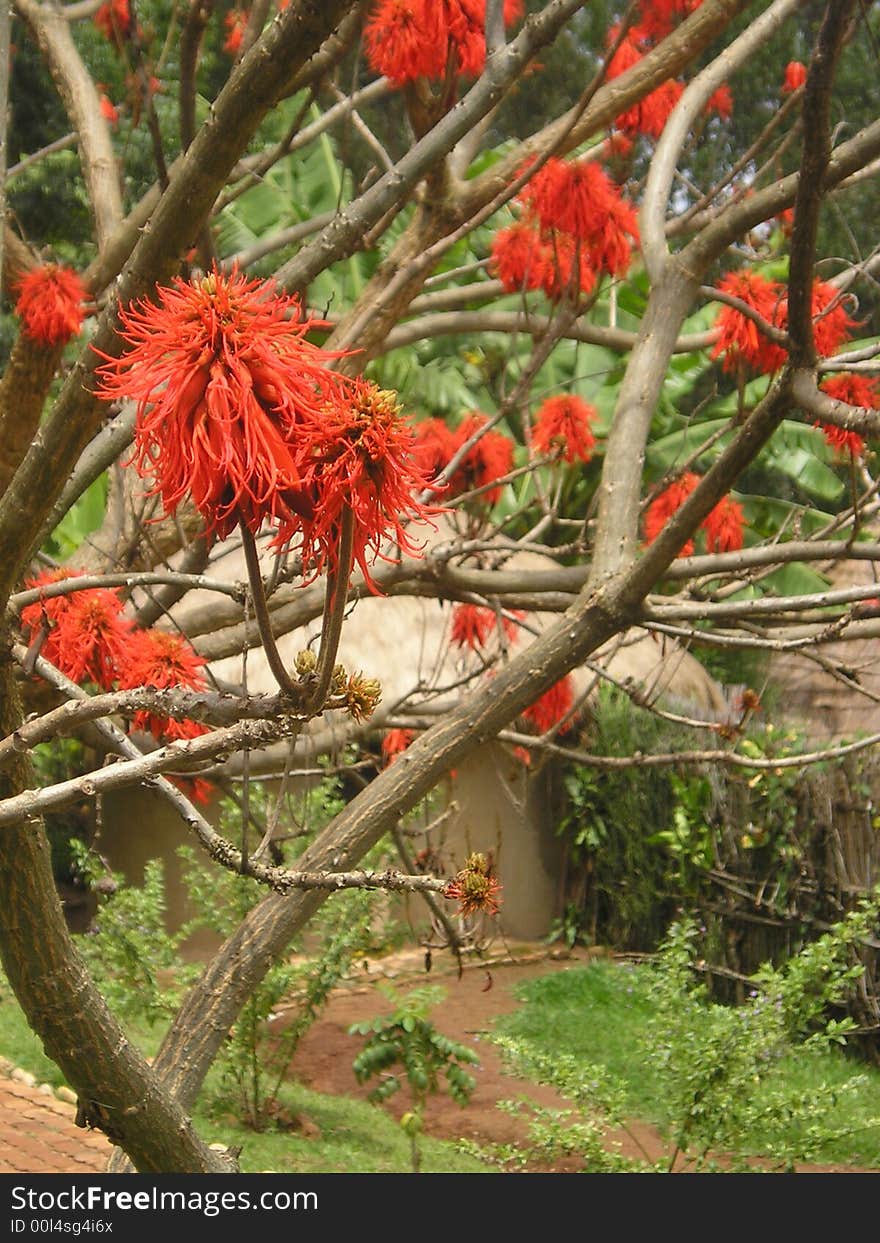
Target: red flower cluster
{"points": [[162, 659], [855, 390], [579, 198], [547, 711], [475, 887], [109, 111], [795, 77], [357, 454], [489, 459], [87, 633], [235, 21], [740, 339], [50, 303], [394, 743], [472, 625], [225, 382], [650, 114], [577, 225], [657, 18], [723, 525], [562, 425], [408, 39], [113, 19], [88, 638], [434, 445], [524, 260], [721, 102]]}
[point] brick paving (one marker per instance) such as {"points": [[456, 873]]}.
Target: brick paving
{"points": [[38, 1134]]}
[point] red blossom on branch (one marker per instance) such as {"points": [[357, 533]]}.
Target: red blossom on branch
{"points": [[724, 526], [162, 659], [555, 704], [358, 454], [579, 198], [855, 390], [562, 425], [434, 445], [472, 626], [224, 380], [87, 633], [236, 24], [721, 102], [832, 325], [665, 504], [795, 77], [408, 39], [489, 459], [394, 743], [50, 303], [520, 258], [740, 340], [113, 19], [474, 887]]}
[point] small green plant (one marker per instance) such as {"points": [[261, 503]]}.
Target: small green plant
{"points": [[409, 1039], [129, 950], [584, 1132], [718, 1067]]}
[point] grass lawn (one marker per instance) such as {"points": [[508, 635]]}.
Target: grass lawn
{"points": [[600, 1014], [343, 1135]]}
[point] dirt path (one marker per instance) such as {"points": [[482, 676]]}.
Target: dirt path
{"points": [[482, 993], [473, 1001]]}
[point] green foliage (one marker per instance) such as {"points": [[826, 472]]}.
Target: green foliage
{"points": [[133, 958], [763, 1078], [718, 1066], [409, 1039]]}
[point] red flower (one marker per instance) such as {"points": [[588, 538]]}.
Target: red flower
{"points": [[196, 789], [668, 502], [795, 77], [831, 324], [109, 111], [474, 887], [163, 660], [560, 279], [563, 423], [724, 527], [434, 446], [552, 706], [490, 458], [50, 303], [581, 199], [650, 114], [740, 340], [520, 258], [235, 22], [855, 390], [224, 379], [721, 102], [659, 17], [358, 454], [89, 634], [407, 39], [394, 743], [113, 19], [472, 626], [843, 441]]}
